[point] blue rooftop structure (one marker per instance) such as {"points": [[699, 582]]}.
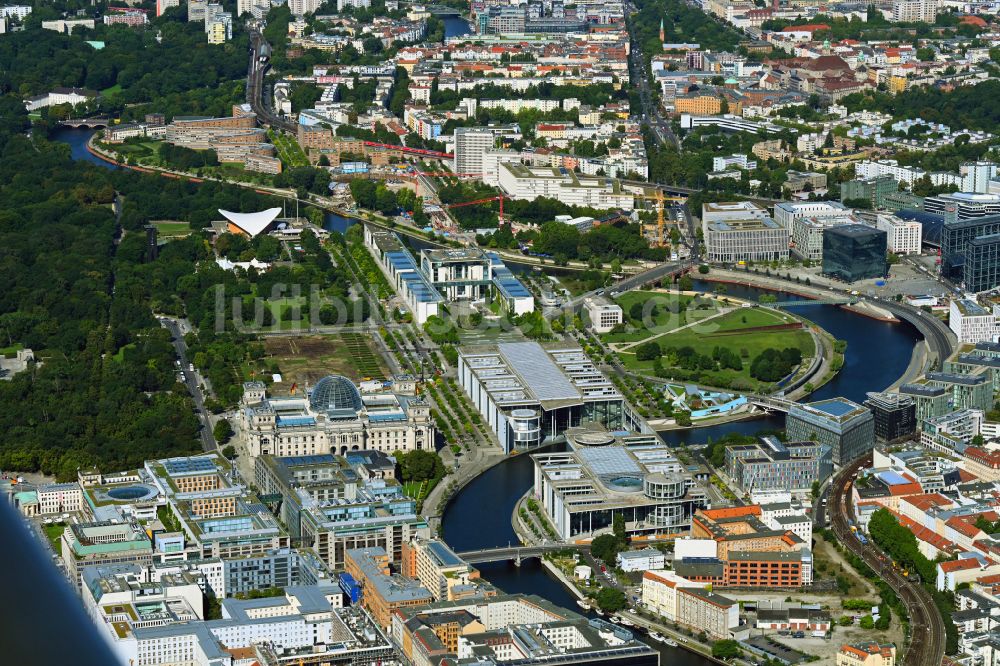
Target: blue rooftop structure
{"points": [[835, 407]]}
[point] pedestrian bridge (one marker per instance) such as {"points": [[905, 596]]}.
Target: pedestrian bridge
{"points": [[516, 553], [770, 403], [819, 301], [88, 123]]}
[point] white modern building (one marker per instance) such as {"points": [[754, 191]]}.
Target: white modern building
{"points": [[971, 322], [526, 182], [732, 241], [739, 161], [807, 234], [640, 560], [786, 213], [471, 143], [875, 168], [902, 236], [914, 11], [602, 314], [530, 394]]}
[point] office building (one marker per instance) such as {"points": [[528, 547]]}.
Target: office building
{"points": [[965, 391], [971, 322], [895, 415], [162, 623], [956, 238], [846, 427], [516, 629], [445, 575], [382, 592], [640, 560], [530, 182], [731, 210], [787, 212], [471, 274], [219, 517], [951, 433], [604, 475], [232, 138], [770, 464], [530, 394], [867, 654], [401, 268], [808, 233], [956, 206], [334, 504], [714, 614], [902, 236], [103, 543], [982, 264], [333, 416], [602, 314], [854, 252], [928, 401], [471, 143], [742, 240], [873, 190]]}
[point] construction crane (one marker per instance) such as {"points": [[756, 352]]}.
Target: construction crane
{"points": [[499, 197], [661, 225]]}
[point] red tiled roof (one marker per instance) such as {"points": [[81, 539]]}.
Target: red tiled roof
{"points": [[959, 565], [809, 27], [924, 502]]}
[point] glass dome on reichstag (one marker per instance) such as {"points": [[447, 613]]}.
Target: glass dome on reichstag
{"points": [[335, 393]]}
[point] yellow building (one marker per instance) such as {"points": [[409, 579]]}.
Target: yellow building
{"points": [[867, 654]]}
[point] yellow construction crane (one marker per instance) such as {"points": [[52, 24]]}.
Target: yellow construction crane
{"points": [[661, 224]]}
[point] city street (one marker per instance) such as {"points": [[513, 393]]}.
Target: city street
{"points": [[177, 328]]}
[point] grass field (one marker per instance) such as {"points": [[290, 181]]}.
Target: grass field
{"points": [[667, 312], [744, 331], [305, 360], [54, 534], [289, 150], [172, 228], [117, 88]]}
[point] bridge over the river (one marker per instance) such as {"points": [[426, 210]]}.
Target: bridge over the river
{"points": [[88, 123]]}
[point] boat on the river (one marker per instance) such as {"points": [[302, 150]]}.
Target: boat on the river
{"points": [[671, 642], [655, 636], [582, 604]]}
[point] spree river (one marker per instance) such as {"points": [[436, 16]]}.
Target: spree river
{"points": [[480, 515]]}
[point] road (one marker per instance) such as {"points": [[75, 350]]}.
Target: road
{"points": [[927, 635], [190, 381], [256, 71]]}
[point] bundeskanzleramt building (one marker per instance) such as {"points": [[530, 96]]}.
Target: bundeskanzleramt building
{"points": [[846, 427], [604, 475], [334, 417], [530, 394], [772, 465]]}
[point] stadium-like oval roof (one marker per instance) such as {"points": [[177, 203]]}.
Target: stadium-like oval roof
{"points": [[252, 223]]}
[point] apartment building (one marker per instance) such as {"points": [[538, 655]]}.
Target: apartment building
{"points": [[447, 576], [971, 322], [867, 654], [526, 182], [382, 592]]}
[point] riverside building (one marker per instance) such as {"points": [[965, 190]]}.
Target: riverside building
{"points": [[530, 394], [604, 475], [846, 427]]}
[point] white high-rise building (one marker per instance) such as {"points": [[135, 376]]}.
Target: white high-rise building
{"points": [[303, 7], [971, 322], [912, 11], [904, 236], [471, 143]]}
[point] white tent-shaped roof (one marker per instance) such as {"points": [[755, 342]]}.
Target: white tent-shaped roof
{"points": [[252, 223]]}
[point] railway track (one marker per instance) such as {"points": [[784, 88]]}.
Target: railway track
{"points": [[927, 635]]}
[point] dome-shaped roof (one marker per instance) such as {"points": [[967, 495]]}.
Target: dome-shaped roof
{"points": [[335, 392]]}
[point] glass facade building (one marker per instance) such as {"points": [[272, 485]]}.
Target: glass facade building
{"points": [[854, 252], [895, 415], [982, 263], [956, 236], [846, 427]]}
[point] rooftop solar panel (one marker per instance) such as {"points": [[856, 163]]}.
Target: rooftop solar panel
{"points": [[545, 379]]}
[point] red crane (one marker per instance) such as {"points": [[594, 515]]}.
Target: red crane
{"points": [[499, 197]]}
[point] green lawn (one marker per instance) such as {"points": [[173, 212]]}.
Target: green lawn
{"points": [[54, 535], [166, 228], [668, 311], [730, 331], [112, 90], [289, 151]]}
